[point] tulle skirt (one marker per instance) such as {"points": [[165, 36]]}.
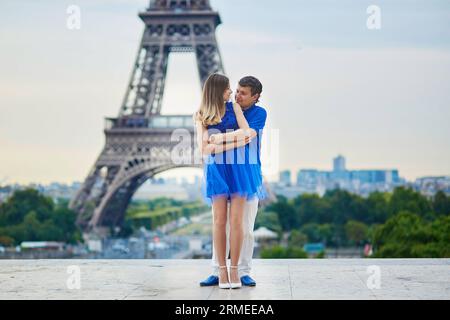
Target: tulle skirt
{"points": [[232, 180]]}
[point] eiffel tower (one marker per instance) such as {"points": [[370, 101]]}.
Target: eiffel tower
{"points": [[138, 142]]}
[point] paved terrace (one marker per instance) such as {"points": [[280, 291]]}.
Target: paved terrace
{"points": [[178, 279]]}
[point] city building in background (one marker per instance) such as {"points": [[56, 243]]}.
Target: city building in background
{"points": [[154, 188], [285, 178], [361, 182], [430, 185]]}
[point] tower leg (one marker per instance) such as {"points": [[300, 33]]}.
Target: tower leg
{"points": [[208, 60]]}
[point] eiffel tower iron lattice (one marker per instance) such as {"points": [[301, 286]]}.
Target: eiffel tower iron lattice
{"points": [[138, 142]]}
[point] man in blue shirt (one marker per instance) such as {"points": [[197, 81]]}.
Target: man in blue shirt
{"points": [[247, 95]]}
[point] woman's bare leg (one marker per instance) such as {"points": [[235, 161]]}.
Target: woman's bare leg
{"points": [[219, 235], [236, 234]]}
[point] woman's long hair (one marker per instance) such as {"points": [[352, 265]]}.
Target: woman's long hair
{"points": [[212, 107]]}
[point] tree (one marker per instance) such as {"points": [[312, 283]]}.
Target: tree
{"points": [[441, 204], [377, 207], [278, 252], [268, 219], [32, 226], [310, 208], [407, 235], [297, 239], [356, 231], [441, 232], [326, 232], [286, 213], [406, 199], [30, 216], [6, 241], [312, 231], [21, 203], [345, 206]]}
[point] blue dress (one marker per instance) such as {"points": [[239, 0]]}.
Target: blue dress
{"points": [[235, 172]]}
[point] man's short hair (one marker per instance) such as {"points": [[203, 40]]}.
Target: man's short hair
{"points": [[254, 84]]}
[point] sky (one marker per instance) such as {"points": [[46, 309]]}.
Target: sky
{"points": [[331, 85]]}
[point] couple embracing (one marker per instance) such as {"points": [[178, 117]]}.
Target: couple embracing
{"points": [[229, 138]]}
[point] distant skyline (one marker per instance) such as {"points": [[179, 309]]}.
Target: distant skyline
{"points": [[331, 86]]}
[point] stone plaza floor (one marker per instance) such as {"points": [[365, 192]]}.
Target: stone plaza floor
{"points": [[290, 279]]}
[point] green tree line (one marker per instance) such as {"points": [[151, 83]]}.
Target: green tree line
{"points": [[154, 213], [29, 216], [403, 223]]}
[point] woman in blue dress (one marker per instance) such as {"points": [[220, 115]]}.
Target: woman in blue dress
{"points": [[229, 175]]}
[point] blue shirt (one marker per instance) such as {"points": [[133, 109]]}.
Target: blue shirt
{"points": [[256, 117]]}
